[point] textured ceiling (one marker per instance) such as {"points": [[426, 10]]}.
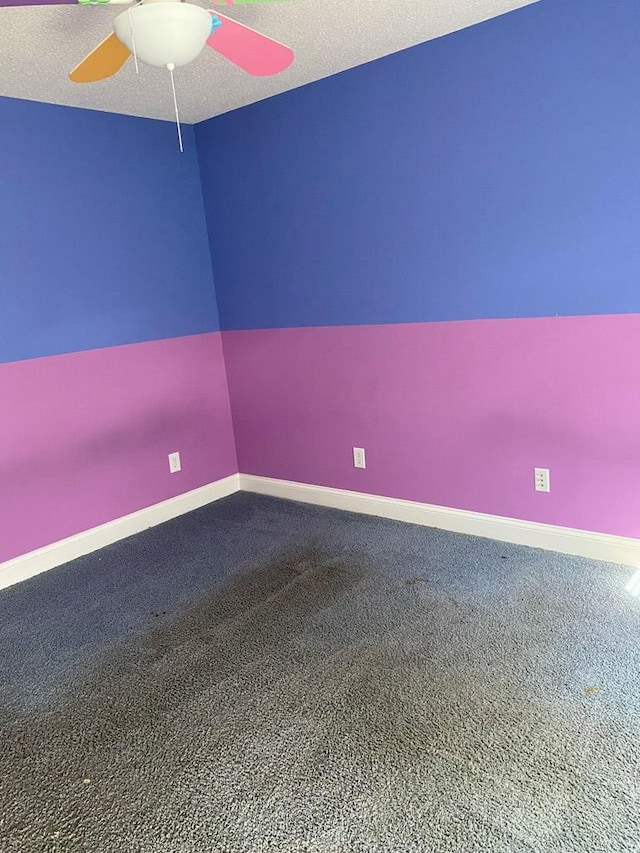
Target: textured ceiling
{"points": [[40, 44]]}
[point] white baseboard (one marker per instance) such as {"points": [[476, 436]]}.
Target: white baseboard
{"points": [[42, 559], [581, 543]]}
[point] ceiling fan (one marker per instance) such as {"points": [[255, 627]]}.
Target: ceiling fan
{"points": [[171, 33]]}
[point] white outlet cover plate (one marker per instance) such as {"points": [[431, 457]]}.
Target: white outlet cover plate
{"points": [[359, 459], [541, 480], [174, 463]]}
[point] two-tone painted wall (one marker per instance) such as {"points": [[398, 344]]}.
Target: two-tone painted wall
{"points": [[110, 350], [436, 256]]}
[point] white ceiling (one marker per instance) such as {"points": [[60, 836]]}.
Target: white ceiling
{"points": [[40, 44]]}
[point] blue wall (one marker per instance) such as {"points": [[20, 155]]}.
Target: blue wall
{"points": [[102, 232], [491, 173]]}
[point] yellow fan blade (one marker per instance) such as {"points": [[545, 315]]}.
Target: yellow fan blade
{"points": [[103, 61]]}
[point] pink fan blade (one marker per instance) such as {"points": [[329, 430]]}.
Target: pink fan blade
{"points": [[253, 52]]}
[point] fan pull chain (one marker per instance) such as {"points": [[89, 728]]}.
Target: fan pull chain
{"points": [[171, 66], [133, 41]]}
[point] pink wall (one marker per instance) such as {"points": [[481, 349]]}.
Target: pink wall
{"points": [[84, 437], [456, 414]]}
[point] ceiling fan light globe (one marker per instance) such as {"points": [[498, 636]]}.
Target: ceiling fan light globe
{"points": [[165, 32]]}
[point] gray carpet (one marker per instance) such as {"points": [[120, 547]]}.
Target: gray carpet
{"points": [[264, 676]]}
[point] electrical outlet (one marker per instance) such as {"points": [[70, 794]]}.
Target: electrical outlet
{"points": [[359, 460], [174, 463], [541, 479]]}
